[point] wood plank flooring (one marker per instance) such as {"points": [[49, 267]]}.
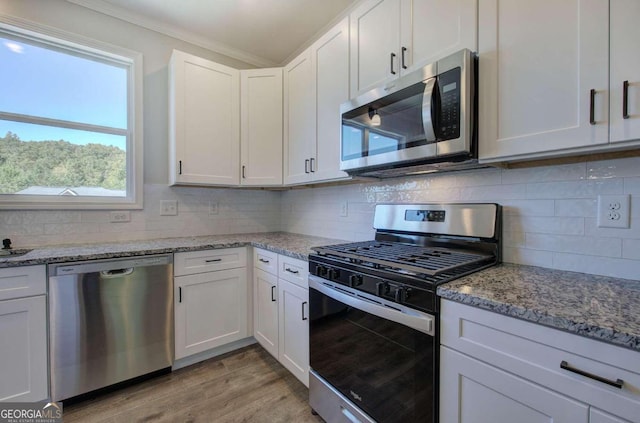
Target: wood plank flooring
{"points": [[247, 385]]}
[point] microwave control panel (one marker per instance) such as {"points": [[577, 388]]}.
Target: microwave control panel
{"points": [[449, 118]]}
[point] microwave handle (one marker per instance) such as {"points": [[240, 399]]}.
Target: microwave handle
{"points": [[428, 104]]}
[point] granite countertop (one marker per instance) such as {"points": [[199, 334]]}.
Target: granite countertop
{"points": [[292, 245], [594, 306]]}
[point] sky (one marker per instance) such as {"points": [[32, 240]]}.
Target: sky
{"points": [[46, 83]]}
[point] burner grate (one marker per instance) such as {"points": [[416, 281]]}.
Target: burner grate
{"points": [[406, 257]]}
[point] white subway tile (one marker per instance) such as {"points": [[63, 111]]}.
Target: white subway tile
{"points": [[631, 250], [578, 189], [568, 172], [513, 239], [493, 193], [544, 225], [614, 267], [528, 257], [592, 230], [632, 185], [528, 207], [629, 166], [606, 247], [576, 207]]}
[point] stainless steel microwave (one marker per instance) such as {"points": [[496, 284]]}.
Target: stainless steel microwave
{"points": [[421, 122]]}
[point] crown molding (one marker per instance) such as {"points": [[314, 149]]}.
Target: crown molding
{"points": [[173, 31]]}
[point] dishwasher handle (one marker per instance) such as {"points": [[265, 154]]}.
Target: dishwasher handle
{"points": [[116, 273]]}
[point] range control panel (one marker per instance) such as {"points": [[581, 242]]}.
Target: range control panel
{"points": [[424, 215]]}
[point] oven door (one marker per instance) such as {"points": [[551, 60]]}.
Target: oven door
{"points": [[379, 356]]}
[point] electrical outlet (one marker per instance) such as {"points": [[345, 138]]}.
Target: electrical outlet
{"points": [[213, 207], [119, 216], [168, 208], [613, 211], [344, 209]]}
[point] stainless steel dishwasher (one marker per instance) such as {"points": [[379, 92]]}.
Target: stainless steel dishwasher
{"points": [[110, 321]]}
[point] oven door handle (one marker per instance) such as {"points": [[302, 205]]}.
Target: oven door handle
{"points": [[408, 317]]}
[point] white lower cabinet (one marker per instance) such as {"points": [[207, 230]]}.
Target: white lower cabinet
{"points": [[265, 310], [23, 331], [498, 369], [293, 329], [475, 392], [211, 307], [281, 310]]}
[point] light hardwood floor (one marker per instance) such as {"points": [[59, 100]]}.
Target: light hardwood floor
{"points": [[247, 385]]}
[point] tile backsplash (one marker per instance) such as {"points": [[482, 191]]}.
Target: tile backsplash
{"points": [[549, 215], [238, 211]]}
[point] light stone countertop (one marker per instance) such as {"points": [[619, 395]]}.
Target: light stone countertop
{"points": [[292, 245], [598, 307], [607, 309]]}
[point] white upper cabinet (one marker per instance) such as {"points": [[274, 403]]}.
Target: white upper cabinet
{"points": [[625, 66], [299, 119], [393, 37], [261, 127], [543, 76], [375, 39], [330, 67], [204, 122], [433, 29]]}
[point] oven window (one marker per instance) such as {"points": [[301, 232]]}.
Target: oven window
{"points": [[385, 368]]}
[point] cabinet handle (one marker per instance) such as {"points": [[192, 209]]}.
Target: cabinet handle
{"points": [[615, 383], [179, 294], [273, 294], [311, 161], [306, 166], [303, 318], [213, 260], [393, 56], [295, 272], [263, 260], [404, 65], [180, 167], [243, 176], [625, 100], [592, 110]]}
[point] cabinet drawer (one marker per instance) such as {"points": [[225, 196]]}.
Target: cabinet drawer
{"points": [[209, 260], [17, 282], [536, 353], [293, 270], [265, 260]]}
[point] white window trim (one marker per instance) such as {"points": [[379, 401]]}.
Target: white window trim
{"points": [[134, 198]]}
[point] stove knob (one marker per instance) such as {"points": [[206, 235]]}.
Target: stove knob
{"points": [[334, 274], [382, 288], [321, 271], [355, 280], [399, 295]]}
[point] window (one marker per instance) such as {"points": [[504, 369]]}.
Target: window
{"points": [[70, 122]]}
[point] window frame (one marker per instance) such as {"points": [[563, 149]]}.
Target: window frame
{"points": [[108, 53]]}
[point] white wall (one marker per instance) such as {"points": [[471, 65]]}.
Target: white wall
{"points": [[549, 212]]}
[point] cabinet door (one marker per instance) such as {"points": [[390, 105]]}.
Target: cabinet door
{"points": [[299, 119], [265, 310], [597, 416], [261, 127], [293, 331], [475, 392], [433, 29], [538, 62], [23, 350], [625, 66], [375, 44], [330, 59], [210, 310], [204, 122]]}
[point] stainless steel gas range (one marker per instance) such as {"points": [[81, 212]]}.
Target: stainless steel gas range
{"points": [[373, 308]]}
